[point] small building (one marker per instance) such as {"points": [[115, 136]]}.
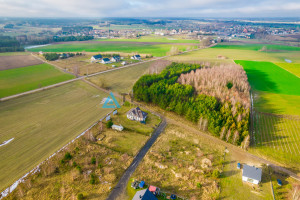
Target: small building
{"points": [[154, 190], [238, 166], [96, 57], [118, 128], [136, 57], [124, 63], [105, 61], [144, 195], [41, 53], [137, 114], [115, 59], [142, 184], [252, 174]]}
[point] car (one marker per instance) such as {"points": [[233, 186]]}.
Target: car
{"points": [[279, 182]]}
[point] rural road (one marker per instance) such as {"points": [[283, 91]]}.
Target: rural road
{"points": [[121, 185]]}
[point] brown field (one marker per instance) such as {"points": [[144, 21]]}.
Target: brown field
{"points": [[11, 62]]}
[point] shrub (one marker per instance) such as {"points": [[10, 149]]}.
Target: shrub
{"points": [[216, 173], [109, 124], [229, 85], [93, 160], [100, 166], [199, 185], [79, 169], [80, 196], [93, 179]]}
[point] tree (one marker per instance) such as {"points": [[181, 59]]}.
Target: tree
{"points": [[93, 160], [109, 124], [80, 196], [216, 173]]}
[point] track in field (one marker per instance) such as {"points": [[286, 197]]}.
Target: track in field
{"points": [[280, 133]]}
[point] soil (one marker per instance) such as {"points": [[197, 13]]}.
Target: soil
{"points": [[12, 62]]}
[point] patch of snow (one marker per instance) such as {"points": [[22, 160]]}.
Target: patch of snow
{"points": [[6, 142]]}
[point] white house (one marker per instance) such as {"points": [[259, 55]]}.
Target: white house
{"points": [[137, 114], [136, 57], [96, 57], [105, 61], [115, 59], [118, 128], [252, 174]]}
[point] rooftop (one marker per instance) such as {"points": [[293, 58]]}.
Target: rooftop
{"points": [[252, 172]]}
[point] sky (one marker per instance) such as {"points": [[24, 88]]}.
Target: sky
{"points": [[150, 8]]}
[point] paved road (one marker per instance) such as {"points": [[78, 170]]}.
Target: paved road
{"points": [[121, 185]]}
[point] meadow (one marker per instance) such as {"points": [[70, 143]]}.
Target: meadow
{"points": [[42, 123], [14, 81], [256, 47], [155, 50], [291, 67], [121, 80]]}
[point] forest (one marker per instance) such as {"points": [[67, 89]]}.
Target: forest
{"points": [[225, 118], [9, 44]]}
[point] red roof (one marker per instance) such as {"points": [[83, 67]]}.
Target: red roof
{"points": [[152, 188]]}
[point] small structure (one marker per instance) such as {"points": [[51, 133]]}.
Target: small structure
{"points": [[41, 53], [115, 59], [64, 55], [137, 114], [144, 195], [105, 61], [238, 166], [118, 128], [123, 63], [279, 182], [142, 184], [136, 57], [252, 174], [154, 190], [96, 57]]}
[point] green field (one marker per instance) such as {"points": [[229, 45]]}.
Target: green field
{"points": [[291, 67], [154, 39], [121, 80], [43, 122], [14, 53], [256, 47], [14, 81], [155, 50]]}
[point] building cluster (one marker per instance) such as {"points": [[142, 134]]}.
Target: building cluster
{"points": [[114, 59]]}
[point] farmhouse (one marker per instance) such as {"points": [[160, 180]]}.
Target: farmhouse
{"points": [[105, 61], [96, 57], [115, 59], [136, 57], [144, 195], [118, 128], [251, 174], [137, 114]]}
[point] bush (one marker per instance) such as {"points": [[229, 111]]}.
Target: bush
{"points": [[229, 85], [199, 185], [80, 196], [79, 169], [93, 160], [51, 56], [93, 179], [109, 124], [100, 166], [216, 173]]}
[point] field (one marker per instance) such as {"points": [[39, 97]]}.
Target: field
{"points": [[291, 67], [41, 123], [16, 61], [276, 112], [112, 151], [128, 47], [14, 53], [121, 80], [256, 47], [14, 81]]}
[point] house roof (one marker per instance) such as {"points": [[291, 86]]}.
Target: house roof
{"points": [[106, 59], [116, 57], [97, 56], [137, 112], [152, 188], [144, 195], [252, 172], [138, 56]]}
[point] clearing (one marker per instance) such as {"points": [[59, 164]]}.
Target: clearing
{"points": [[49, 120], [14, 81]]}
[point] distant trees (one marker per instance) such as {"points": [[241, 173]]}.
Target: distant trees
{"points": [[9, 44], [51, 56], [226, 118], [72, 38]]}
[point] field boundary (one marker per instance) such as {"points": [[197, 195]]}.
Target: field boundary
{"points": [[36, 169]]}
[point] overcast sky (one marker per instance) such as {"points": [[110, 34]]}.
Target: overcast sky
{"points": [[150, 8]]}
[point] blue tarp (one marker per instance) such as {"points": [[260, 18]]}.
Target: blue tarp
{"points": [[141, 185]]}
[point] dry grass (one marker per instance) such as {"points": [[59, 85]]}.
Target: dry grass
{"points": [[16, 61]]}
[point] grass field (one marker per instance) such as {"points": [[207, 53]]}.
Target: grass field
{"points": [[256, 47], [14, 53], [291, 67], [14, 81], [121, 80], [155, 50], [277, 134], [41, 123], [154, 39]]}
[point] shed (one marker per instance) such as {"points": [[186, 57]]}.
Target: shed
{"points": [[118, 128], [154, 190], [252, 174], [142, 184]]}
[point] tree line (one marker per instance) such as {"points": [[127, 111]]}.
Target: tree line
{"points": [[207, 111], [72, 38], [9, 44]]}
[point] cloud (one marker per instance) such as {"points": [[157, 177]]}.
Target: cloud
{"points": [[153, 8]]}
